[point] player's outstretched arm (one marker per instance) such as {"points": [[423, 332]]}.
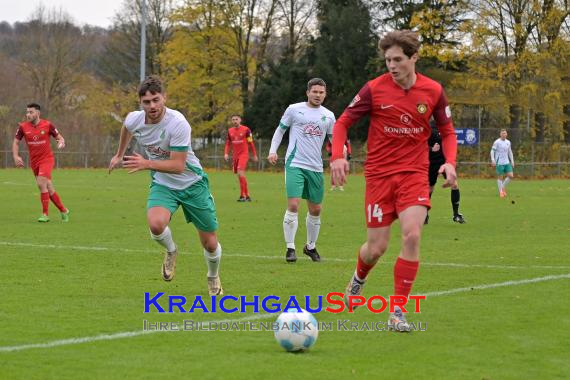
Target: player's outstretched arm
{"points": [[124, 141], [16, 153]]}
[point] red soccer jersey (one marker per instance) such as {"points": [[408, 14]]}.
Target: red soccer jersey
{"points": [[37, 139], [399, 125], [239, 138]]}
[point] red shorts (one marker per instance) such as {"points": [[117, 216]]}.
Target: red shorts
{"points": [[43, 168], [240, 163], [387, 197]]}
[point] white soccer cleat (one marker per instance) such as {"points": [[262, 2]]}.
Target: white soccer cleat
{"points": [[397, 321], [354, 288], [215, 286], [169, 265]]}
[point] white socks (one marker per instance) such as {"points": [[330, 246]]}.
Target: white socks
{"points": [[500, 185], [290, 224], [165, 239], [313, 228], [213, 261], [506, 182]]}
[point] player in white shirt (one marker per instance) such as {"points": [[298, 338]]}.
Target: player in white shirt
{"points": [[177, 178], [502, 159], [309, 124]]}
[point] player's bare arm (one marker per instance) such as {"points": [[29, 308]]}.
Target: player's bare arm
{"points": [[175, 165], [339, 171], [272, 158], [60, 141], [16, 153], [451, 175], [124, 141]]}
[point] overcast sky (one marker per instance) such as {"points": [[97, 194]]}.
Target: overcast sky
{"points": [[94, 12]]}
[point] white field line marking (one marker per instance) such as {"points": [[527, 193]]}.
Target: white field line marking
{"points": [[157, 251], [129, 334]]}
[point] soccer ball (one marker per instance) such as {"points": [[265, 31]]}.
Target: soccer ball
{"points": [[296, 331]]}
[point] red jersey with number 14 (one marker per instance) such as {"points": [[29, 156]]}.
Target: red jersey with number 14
{"points": [[239, 138], [399, 125], [37, 138]]}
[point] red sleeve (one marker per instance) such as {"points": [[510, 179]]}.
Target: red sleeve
{"points": [[360, 106], [19, 133], [53, 130], [442, 117], [442, 113], [249, 137], [448, 142], [228, 143]]}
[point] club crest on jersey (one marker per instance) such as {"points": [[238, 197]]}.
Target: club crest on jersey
{"points": [[422, 108], [355, 100]]}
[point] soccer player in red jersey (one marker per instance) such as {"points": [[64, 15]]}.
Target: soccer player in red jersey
{"points": [[400, 104], [36, 133], [239, 138]]}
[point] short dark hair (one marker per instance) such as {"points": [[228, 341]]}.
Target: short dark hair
{"points": [[406, 39], [316, 82], [34, 105], [151, 84], [235, 114]]}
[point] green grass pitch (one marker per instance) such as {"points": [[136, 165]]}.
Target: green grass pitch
{"points": [[72, 295]]}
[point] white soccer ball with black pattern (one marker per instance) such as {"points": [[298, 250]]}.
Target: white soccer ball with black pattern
{"points": [[296, 331]]}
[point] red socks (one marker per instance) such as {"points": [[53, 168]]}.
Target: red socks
{"points": [[243, 187], [362, 268], [44, 197], [57, 202], [404, 276]]}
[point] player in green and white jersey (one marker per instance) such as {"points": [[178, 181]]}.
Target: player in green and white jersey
{"points": [[503, 161], [309, 124], [177, 177]]}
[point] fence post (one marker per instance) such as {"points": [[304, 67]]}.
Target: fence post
{"points": [[259, 154], [479, 111]]}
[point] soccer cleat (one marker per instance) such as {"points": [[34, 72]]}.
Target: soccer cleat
{"points": [[215, 286], [459, 219], [341, 188], [241, 199], [43, 219], [312, 253], [502, 194], [397, 321], [248, 199], [354, 288], [290, 256], [169, 265], [65, 216], [333, 188], [427, 219]]}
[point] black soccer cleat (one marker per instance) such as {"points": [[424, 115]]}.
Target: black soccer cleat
{"points": [[290, 256], [241, 199], [247, 199], [459, 219], [312, 253]]}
